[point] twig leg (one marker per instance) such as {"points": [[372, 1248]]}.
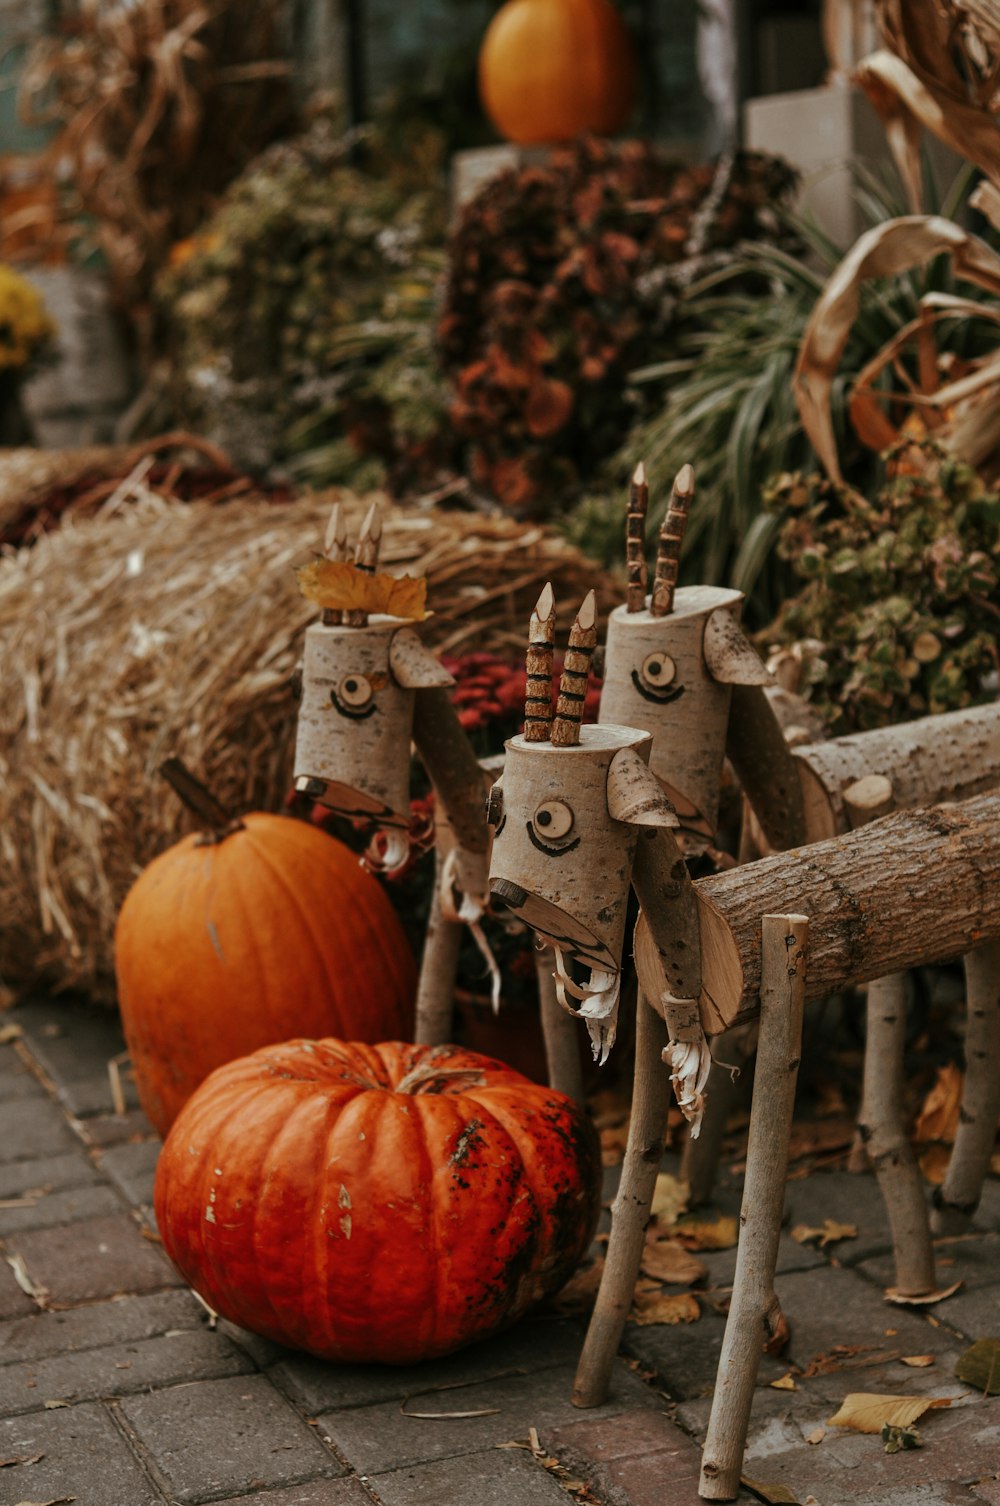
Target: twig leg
{"points": [[957, 1199], [701, 1157], [561, 1032], [754, 1310], [438, 969], [884, 1133], [630, 1214]]}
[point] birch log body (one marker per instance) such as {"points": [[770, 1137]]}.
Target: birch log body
{"points": [[915, 887], [352, 748], [948, 757], [656, 677]]}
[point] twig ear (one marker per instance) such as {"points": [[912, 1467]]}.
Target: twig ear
{"points": [[538, 687], [635, 795], [575, 675], [668, 551]]}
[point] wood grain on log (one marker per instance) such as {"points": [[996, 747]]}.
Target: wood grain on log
{"points": [[912, 888], [949, 757]]}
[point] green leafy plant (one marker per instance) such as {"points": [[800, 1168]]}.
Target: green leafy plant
{"points": [[898, 613]]}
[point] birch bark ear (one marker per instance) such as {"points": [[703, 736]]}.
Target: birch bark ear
{"points": [[635, 794], [413, 665], [730, 656]]}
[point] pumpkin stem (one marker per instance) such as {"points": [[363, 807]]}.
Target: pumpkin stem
{"points": [[200, 801]]}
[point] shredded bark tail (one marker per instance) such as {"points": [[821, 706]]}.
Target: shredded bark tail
{"points": [[668, 551]]}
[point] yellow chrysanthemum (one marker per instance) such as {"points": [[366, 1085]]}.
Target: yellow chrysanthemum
{"points": [[25, 325]]}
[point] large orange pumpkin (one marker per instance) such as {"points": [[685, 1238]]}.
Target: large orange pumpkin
{"points": [[550, 70], [231, 941], [376, 1203]]}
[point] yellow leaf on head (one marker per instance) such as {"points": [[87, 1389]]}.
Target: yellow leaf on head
{"points": [[339, 585]]}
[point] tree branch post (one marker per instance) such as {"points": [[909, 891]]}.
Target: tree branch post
{"points": [[754, 1310], [560, 1030], [957, 1199]]}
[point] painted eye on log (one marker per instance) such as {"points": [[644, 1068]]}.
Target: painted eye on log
{"points": [[355, 691], [554, 819], [658, 670]]}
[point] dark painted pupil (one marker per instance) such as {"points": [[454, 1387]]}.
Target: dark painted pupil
{"points": [[545, 818], [655, 667], [350, 685]]}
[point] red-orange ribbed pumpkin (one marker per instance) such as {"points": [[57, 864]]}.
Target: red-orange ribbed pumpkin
{"points": [[230, 942], [376, 1203], [550, 70]]}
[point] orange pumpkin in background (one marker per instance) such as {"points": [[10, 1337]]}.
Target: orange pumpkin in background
{"points": [[239, 938], [550, 70]]}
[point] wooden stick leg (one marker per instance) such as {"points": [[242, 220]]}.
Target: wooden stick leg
{"points": [[754, 1310], [561, 1032], [883, 1130], [630, 1214], [957, 1199], [438, 969], [700, 1162]]}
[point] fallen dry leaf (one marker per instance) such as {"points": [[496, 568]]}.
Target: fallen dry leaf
{"points": [[581, 1289], [50, 1406], [917, 1361], [666, 1260], [903, 1299], [55, 1501], [22, 1276], [938, 1118], [979, 1366], [831, 1233], [664, 1307], [10, 1033], [339, 585], [669, 1199], [779, 1338], [20, 1459], [934, 1164], [816, 1436], [868, 1412], [784, 1383], [709, 1234], [773, 1495]]}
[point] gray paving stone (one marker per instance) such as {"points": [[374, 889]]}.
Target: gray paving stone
{"points": [[98, 1325], [643, 1459], [119, 1370], [535, 1344], [829, 1306], [320, 1493], [98, 1257], [226, 1435], [846, 1198], [507, 1477], [104, 1130], [73, 1042], [13, 1302], [16, 1080], [132, 1168], [54, 1173], [778, 1419], [83, 1456], [972, 1259], [685, 1356], [974, 1315], [382, 1437], [33, 1127], [792, 1256], [66, 1207]]}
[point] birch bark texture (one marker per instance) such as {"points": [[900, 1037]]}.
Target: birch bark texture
{"points": [[914, 887]]}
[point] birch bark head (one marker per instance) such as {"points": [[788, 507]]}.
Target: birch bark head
{"points": [[355, 723], [565, 823]]}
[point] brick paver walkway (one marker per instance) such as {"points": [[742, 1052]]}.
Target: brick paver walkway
{"points": [[116, 1391]]}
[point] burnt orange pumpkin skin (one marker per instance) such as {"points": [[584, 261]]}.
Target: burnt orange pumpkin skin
{"points": [[550, 70], [382, 1203], [226, 946]]}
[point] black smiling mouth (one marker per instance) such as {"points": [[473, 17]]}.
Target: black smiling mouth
{"points": [[357, 714], [550, 852], [660, 697]]}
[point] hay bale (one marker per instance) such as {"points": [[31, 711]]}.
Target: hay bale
{"points": [[175, 628]]}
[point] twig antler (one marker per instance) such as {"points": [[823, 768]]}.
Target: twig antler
{"points": [[576, 669], [538, 688], [366, 557], [635, 539], [334, 549], [668, 551]]}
